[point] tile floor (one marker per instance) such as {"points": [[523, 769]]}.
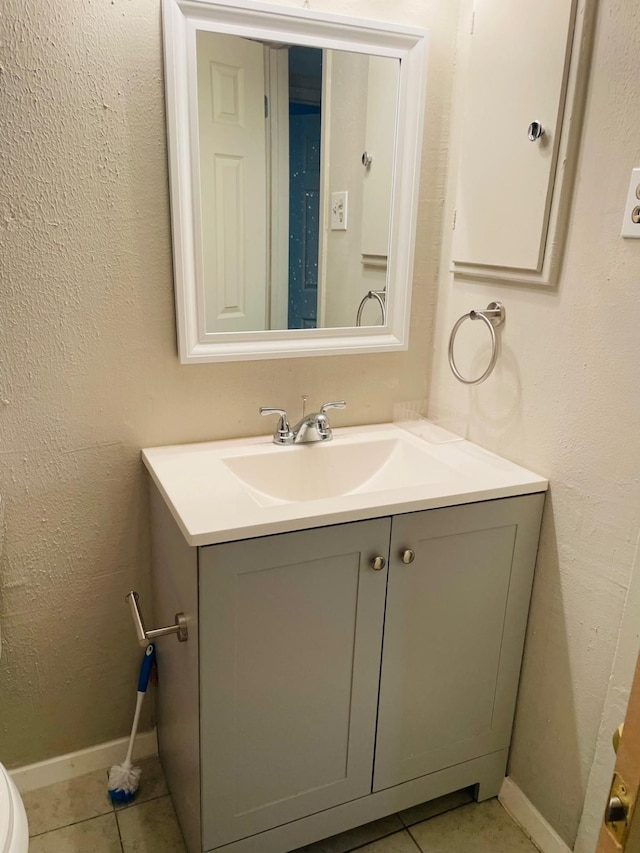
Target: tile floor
{"points": [[77, 817]]}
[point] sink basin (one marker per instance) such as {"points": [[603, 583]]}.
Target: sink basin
{"points": [[222, 491], [318, 471]]}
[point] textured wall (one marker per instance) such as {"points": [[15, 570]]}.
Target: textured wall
{"points": [[89, 372], [564, 401]]}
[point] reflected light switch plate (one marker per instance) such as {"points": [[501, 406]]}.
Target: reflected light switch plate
{"points": [[631, 221], [339, 211]]}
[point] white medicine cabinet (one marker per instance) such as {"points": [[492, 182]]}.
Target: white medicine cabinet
{"points": [[522, 82]]}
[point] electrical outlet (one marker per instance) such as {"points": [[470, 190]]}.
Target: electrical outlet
{"points": [[631, 221], [339, 211]]}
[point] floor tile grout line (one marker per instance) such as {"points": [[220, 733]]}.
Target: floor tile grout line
{"points": [[410, 834], [119, 834], [132, 805], [67, 825], [414, 839], [374, 840], [114, 811]]}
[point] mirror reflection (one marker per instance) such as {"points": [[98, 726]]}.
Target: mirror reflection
{"points": [[296, 149]]}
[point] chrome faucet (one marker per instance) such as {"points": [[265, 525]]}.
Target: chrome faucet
{"points": [[313, 427]]}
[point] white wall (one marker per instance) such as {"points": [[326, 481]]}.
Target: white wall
{"points": [[89, 372], [564, 402], [346, 279], [347, 116]]}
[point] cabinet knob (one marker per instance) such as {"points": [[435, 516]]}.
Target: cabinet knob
{"points": [[378, 563], [408, 556], [535, 131]]}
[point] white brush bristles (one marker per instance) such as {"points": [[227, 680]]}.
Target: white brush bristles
{"points": [[123, 777]]}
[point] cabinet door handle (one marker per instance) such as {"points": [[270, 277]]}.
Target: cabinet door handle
{"points": [[535, 131], [407, 556], [378, 563]]}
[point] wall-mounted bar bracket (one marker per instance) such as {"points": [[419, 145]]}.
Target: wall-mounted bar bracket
{"points": [[144, 636]]}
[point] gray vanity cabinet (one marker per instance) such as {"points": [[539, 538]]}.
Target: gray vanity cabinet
{"points": [[454, 631], [331, 690], [289, 664]]}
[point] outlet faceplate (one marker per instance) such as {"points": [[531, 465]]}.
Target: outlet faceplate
{"points": [[631, 221]]}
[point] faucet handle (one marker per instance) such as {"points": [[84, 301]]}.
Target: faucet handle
{"points": [[340, 404], [283, 433]]}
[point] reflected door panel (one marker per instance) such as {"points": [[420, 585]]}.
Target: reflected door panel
{"points": [[265, 135], [304, 210], [231, 129]]}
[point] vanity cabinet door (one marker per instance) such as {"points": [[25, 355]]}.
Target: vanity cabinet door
{"points": [[290, 645], [454, 632]]}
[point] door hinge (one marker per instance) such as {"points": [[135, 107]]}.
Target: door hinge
{"points": [[266, 107], [473, 19], [453, 223]]}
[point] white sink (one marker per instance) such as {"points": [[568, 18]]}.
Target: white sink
{"points": [[221, 491], [323, 470]]}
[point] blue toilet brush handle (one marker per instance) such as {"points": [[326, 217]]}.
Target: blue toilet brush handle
{"points": [[145, 668], [124, 778], [143, 683]]}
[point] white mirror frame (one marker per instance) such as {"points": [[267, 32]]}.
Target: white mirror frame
{"points": [[181, 19]]}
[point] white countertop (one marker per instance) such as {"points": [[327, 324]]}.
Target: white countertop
{"points": [[211, 504]]}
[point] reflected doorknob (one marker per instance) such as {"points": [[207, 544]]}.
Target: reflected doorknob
{"points": [[616, 737], [407, 556]]}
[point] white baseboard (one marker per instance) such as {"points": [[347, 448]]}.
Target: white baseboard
{"points": [[99, 757], [104, 755], [534, 825]]}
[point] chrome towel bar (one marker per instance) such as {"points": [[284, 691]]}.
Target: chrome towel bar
{"points": [[144, 636], [493, 316]]}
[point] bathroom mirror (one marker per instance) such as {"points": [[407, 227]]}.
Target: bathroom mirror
{"points": [[294, 146]]}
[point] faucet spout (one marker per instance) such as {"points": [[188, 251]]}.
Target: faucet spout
{"points": [[313, 427]]}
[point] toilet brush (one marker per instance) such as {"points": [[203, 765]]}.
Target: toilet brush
{"points": [[124, 778]]}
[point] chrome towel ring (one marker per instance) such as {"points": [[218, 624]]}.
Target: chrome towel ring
{"points": [[493, 316], [380, 295]]}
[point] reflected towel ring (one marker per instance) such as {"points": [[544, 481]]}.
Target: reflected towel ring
{"points": [[380, 295], [492, 316]]}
